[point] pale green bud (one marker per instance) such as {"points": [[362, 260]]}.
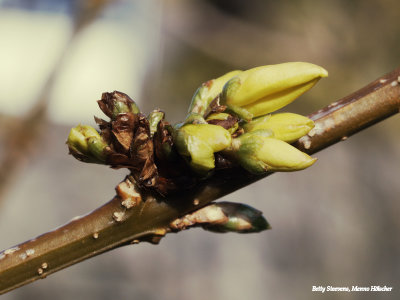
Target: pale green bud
{"points": [[208, 91], [154, 118], [287, 127], [238, 218], [86, 144], [265, 89], [198, 142], [258, 153]]}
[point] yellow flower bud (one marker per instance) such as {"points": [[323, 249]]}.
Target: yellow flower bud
{"points": [[257, 152], [198, 142], [86, 144], [208, 91], [287, 127], [265, 89]]}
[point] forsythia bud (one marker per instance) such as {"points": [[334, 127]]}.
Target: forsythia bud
{"points": [[239, 218], [265, 89], [154, 118], [86, 144], [115, 103], [257, 153], [287, 127], [208, 91], [199, 142]]}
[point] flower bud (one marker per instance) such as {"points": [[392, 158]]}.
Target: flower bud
{"points": [[198, 142], [265, 89], [208, 91], [258, 153], [287, 127], [86, 144]]}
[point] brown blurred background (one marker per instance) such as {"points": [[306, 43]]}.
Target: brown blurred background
{"points": [[336, 223]]}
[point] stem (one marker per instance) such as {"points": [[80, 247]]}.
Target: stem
{"points": [[116, 224]]}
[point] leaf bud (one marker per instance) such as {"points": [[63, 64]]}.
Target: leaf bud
{"points": [[86, 144], [241, 218], [115, 103]]}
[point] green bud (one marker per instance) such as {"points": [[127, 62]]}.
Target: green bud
{"points": [[287, 127], [115, 103], [86, 144], [198, 142], [265, 89], [258, 153], [239, 218], [154, 118], [207, 92]]}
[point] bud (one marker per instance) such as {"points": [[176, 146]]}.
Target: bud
{"points": [[241, 218], [207, 92], [115, 103], [258, 153], [86, 144], [198, 142], [265, 89], [225, 120], [154, 118], [287, 127], [224, 217]]}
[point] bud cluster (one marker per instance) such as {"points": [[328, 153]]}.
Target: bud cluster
{"points": [[229, 124]]}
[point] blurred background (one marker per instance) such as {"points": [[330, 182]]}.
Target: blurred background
{"points": [[336, 223]]}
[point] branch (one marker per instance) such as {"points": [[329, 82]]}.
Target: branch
{"points": [[133, 216]]}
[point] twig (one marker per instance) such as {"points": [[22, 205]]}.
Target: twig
{"points": [[132, 216]]}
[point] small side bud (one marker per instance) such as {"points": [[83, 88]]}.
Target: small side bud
{"points": [[224, 217], [265, 89], [259, 153], [198, 142], [115, 103], [287, 127], [207, 92], [86, 144], [241, 218]]}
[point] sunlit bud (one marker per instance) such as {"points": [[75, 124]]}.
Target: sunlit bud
{"points": [[86, 144], [198, 142], [154, 118], [115, 103], [224, 217], [225, 120], [258, 153], [237, 217], [207, 92], [265, 89], [287, 127]]}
